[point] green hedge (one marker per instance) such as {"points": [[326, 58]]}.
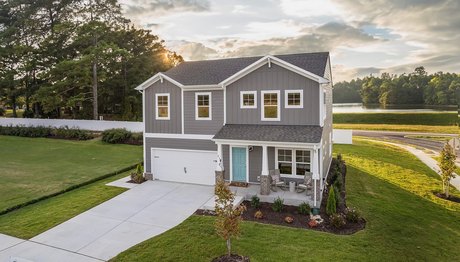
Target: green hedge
{"points": [[73, 187], [42, 131], [430, 119], [121, 136]]}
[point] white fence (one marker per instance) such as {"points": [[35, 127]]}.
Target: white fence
{"points": [[94, 125], [342, 136]]}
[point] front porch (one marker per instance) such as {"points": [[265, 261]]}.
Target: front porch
{"points": [[263, 157], [290, 198]]}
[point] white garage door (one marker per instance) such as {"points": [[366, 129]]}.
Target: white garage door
{"points": [[186, 166]]}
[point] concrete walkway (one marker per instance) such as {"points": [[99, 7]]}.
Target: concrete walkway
{"points": [[427, 160], [106, 230]]}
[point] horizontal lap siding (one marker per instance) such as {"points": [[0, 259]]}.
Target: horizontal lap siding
{"points": [[273, 78], [205, 127], [174, 125], [186, 144]]}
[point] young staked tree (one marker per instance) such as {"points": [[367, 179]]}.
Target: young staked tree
{"points": [[447, 165], [228, 217]]}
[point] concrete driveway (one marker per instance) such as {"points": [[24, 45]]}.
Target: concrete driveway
{"points": [[106, 230]]}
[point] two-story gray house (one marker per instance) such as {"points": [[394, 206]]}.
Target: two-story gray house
{"points": [[244, 116]]}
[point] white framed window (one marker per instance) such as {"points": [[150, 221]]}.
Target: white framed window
{"points": [[248, 99], [270, 105], [293, 98], [162, 103], [293, 162], [203, 106]]}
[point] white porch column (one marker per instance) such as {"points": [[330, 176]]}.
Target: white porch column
{"points": [[264, 161], [220, 160], [315, 175]]}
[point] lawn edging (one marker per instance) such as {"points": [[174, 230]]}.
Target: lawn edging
{"points": [[68, 189]]}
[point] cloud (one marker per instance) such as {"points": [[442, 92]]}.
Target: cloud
{"points": [[193, 50], [163, 7]]}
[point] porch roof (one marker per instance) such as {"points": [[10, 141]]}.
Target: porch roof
{"points": [[271, 133]]}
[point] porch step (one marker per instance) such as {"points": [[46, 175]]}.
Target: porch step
{"points": [[211, 203]]}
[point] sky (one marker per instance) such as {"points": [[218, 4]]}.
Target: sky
{"points": [[363, 36]]}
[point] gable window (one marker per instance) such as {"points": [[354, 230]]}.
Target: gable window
{"points": [[270, 106], [248, 99], [162, 106], [203, 106], [293, 99], [293, 162]]}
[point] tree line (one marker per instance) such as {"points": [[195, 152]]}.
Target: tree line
{"points": [[417, 87], [75, 59]]}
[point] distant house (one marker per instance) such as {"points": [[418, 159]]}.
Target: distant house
{"points": [[245, 116]]}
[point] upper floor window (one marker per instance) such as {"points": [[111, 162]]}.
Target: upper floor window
{"points": [[293, 99], [324, 104], [203, 106], [271, 105], [162, 103], [248, 99]]}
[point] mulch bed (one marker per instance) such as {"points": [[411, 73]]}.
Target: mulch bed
{"points": [[231, 258], [451, 198], [300, 221]]}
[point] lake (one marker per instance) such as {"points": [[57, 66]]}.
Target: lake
{"points": [[360, 108]]}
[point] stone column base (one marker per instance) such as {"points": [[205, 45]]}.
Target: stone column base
{"points": [[148, 176], [264, 185], [220, 176]]}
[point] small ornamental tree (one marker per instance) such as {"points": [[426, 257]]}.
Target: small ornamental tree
{"points": [[228, 217], [331, 205], [446, 163]]}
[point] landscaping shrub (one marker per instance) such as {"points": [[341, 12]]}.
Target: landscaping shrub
{"points": [[2, 111], [337, 220], [255, 201], [278, 205], [304, 209], [258, 214], [72, 133], [331, 206], [352, 215], [137, 139], [116, 136], [138, 175], [24, 131]]}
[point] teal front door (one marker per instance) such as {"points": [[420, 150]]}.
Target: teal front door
{"points": [[239, 164]]}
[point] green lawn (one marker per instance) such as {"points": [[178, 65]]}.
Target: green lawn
{"points": [[428, 119], [401, 128], [34, 167], [34, 219], [390, 187]]}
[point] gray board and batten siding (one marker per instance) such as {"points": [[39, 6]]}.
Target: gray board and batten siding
{"points": [[273, 78], [174, 124]]}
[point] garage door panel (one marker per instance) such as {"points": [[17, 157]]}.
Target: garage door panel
{"points": [[186, 166]]}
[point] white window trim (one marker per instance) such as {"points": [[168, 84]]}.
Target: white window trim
{"points": [[262, 105], [242, 106], [324, 104], [157, 113], [286, 104], [294, 161], [210, 106]]}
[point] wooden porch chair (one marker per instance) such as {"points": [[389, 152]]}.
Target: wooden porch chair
{"points": [[307, 183], [275, 180]]}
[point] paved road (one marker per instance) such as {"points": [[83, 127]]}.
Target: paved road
{"points": [[402, 137]]}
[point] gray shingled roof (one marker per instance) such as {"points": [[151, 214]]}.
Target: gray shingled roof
{"points": [[212, 72], [293, 134]]}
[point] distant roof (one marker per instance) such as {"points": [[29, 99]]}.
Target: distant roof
{"points": [[271, 133], [212, 72]]}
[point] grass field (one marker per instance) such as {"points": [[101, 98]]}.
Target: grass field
{"points": [[401, 128], [34, 167], [423, 119], [391, 189], [32, 220]]}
